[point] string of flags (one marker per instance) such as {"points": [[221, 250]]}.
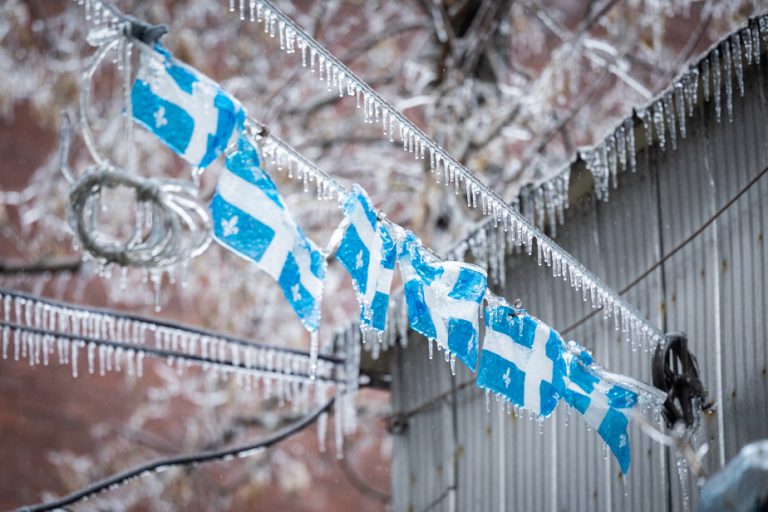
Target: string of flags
{"points": [[523, 361]]}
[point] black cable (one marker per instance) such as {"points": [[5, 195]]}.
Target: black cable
{"points": [[179, 460], [164, 323], [161, 353]]}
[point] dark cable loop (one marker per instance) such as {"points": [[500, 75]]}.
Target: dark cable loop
{"points": [[676, 371]]}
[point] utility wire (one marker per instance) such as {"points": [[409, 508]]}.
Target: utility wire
{"points": [[181, 460]]}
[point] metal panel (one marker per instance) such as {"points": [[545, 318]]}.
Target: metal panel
{"points": [[456, 456]]}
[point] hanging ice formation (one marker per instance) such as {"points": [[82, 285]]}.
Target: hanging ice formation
{"points": [[447, 169], [40, 332], [664, 119]]}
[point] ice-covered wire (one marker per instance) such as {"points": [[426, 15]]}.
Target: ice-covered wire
{"points": [[563, 264], [169, 355], [190, 459], [418, 142], [48, 306]]}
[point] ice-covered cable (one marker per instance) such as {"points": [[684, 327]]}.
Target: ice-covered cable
{"points": [[628, 319], [190, 459], [377, 109], [43, 342], [69, 325]]}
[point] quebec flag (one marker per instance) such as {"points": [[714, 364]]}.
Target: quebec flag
{"points": [[443, 299], [184, 108], [368, 252], [522, 359], [250, 219], [603, 404]]}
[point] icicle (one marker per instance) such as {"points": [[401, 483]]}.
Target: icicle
{"points": [[692, 90], [74, 346], [102, 360], [658, 122], [746, 39], [322, 431], [6, 339], [91, 354], [756, 44], [682, 475], [629, 130], [679, 96], [314, 346], [337, 426], [612, 160], [621, 147], [714, 58], [738, 67], [726, 75], [140, 364], [705, 77], [669, 110], [645, 117]]}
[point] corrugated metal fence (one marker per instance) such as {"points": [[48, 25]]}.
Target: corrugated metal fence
{"points": [[452, 455]]}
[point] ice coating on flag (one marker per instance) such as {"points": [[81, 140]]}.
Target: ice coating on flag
{"points": [[185, 109], [250, 218], [605, 406], [367, 251], [443, 299], [522, 359]]}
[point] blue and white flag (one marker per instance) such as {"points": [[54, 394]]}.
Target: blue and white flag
{"points": [[250, 219], [443, 299], [603, 404], [184, 108], [368, 252], [522, 359]]}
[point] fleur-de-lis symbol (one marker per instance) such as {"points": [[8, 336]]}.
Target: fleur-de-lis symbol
{"points": [[359, 260], [160, 119], [507, 378], [229, 227], [295, 291]]}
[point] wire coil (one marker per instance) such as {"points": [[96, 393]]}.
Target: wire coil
{"points": [[170, 225]]}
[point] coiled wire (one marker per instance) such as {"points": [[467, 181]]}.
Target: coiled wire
{"points": [[171, 226]]}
